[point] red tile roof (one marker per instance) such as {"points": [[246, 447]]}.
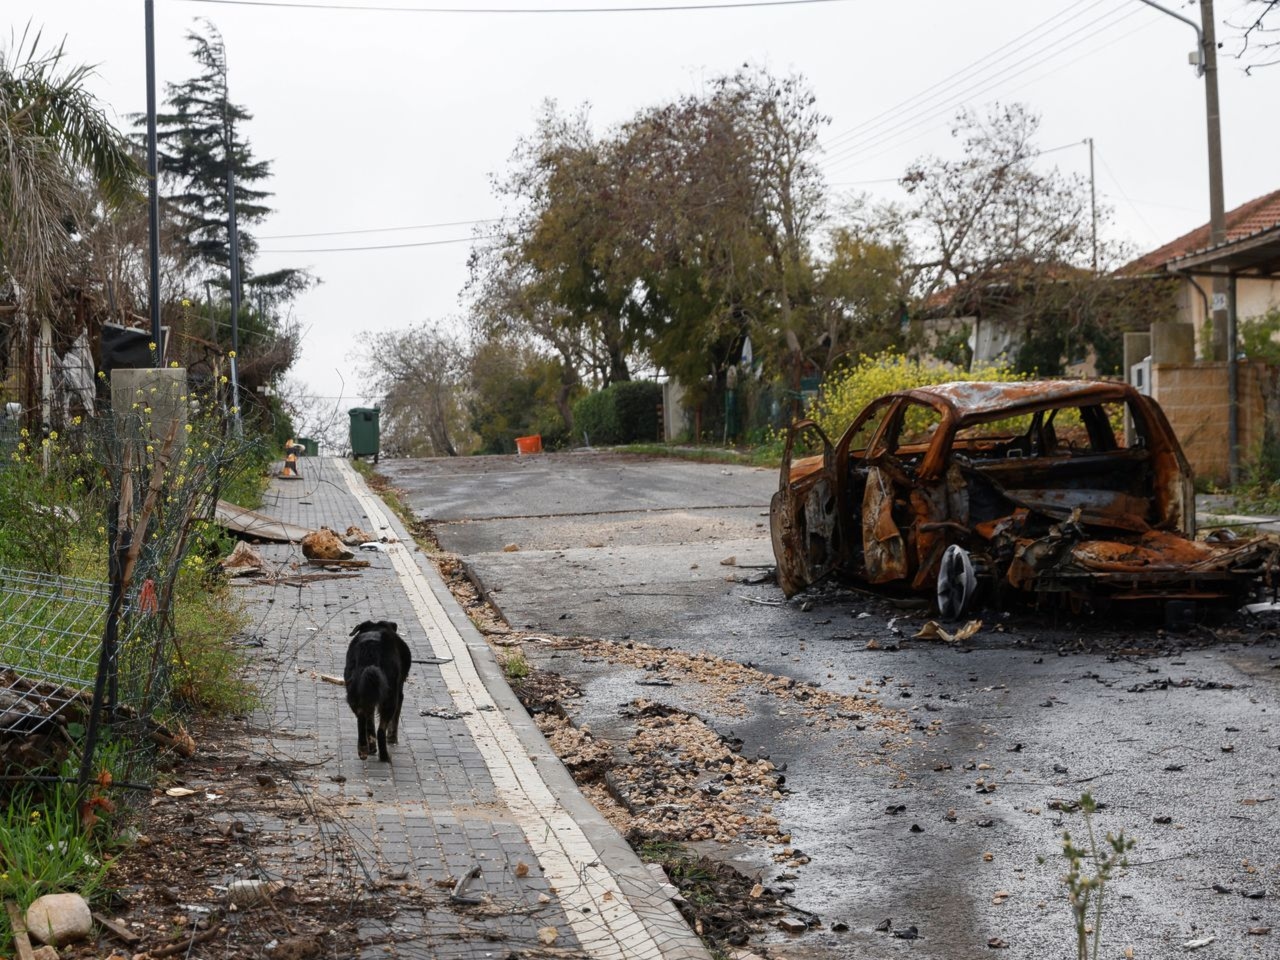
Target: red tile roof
{"points": [[1246, 219]]}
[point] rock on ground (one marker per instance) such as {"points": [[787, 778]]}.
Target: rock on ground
{"points": [[59, 918]]}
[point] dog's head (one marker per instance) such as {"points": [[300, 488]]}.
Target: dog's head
{"points": [[372, 626]]}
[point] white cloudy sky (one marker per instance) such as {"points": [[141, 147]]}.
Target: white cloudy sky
{"points": [[379, 120]]}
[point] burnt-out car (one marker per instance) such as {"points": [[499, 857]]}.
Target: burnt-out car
{"points": [[1074, 490]]}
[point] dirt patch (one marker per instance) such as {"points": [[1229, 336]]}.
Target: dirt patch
{"points": [[247, 818]]}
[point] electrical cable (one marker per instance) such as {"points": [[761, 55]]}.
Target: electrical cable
{"points": [[387, 246], [1036, 79], [681, 7], [1132, 206], [947, 80], [931, 113], [1029, 156], [347, 233]]}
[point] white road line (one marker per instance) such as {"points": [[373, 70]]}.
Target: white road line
{"points": [[610, 927]]}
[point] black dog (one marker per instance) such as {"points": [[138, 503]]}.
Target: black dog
{"points": [[378, 662]]}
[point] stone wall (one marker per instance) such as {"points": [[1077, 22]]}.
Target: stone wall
{"points": [[1194, 398]]}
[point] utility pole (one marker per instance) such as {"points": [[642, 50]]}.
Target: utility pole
{"points": [[234, 238], [153, 187], [1222, 349], [1093, 204], [1205, 59]]}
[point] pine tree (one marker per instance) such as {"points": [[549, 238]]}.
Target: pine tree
{"points": [[197, 131]]}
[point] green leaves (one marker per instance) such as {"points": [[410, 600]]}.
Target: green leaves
{"points": [[57, 148]]}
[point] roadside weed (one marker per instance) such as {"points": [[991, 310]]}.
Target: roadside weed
{"points": [[208, 669], [1085, 889], [514, 665]]}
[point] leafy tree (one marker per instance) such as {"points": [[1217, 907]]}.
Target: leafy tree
{"points": [[668, 241], [54, 140], [998, 241], [421, 373], [1258, 337], [862, 294], [511, 300], [513, 392], [723, 202]]}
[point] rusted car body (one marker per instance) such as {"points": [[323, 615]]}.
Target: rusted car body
{"points": [[1074, 489]]}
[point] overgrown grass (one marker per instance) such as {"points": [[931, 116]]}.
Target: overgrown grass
{"points": [[762, 455], [209, 669], [55, 839]]}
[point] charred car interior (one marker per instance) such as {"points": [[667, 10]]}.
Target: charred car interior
{"points": [[1074, 492]]}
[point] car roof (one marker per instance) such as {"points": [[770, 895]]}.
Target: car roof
{"points": [[980, 399]]}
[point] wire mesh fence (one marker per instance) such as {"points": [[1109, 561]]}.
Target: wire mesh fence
{"points": [[97, 526]]}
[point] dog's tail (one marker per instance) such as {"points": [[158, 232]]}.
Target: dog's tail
{"points": [[371, 685]]}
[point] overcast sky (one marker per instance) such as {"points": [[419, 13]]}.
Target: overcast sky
{"points": [[377, 120]]}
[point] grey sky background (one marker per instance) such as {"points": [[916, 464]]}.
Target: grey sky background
{"points": [[384, 120]]}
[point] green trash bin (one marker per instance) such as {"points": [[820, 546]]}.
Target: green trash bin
{"points": [[310, 448], [364, 432]]}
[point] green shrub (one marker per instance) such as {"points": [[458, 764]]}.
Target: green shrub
{"points": [[621, 413], [847, 392]]}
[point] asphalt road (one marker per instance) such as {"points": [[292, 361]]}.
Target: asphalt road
{"points": [[1178, 737]]}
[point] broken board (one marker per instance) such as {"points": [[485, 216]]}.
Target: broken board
{"points": [[250, 523]]}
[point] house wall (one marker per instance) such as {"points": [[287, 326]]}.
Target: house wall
{"points": [[1194, 398], [1253, 299]]}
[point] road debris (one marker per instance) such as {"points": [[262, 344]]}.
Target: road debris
{"points": [[932, 630], [325, 545]]}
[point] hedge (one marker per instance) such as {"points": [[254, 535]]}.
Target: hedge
{"points": [[624, 412]]}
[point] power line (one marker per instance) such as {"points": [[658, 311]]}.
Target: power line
{"points": [[347, 233], [387, 246], [1029, 156], [734, 5], [878, 119], [1132, 206], [1036, 79], [975, 87], [932, 113]]}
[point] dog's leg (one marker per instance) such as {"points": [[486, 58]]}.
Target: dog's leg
{"points": [[382, 741], [393, 728], [362, 736]]}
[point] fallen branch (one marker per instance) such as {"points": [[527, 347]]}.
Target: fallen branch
{"points": [[174, 949]]}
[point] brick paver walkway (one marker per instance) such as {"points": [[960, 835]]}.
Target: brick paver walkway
{"points": [[471, 784]]}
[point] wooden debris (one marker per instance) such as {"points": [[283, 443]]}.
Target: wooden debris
{"points": [[18, 926]]}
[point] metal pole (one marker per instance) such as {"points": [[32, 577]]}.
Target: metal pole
{"points": [[213, 317], [153, 187], [1207, 67], [105, 689], [1093, 203], [1224, 346], [1233, 386], [235, 253]]}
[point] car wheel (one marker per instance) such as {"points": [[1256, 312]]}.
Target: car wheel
{"points": [[957, 582]]}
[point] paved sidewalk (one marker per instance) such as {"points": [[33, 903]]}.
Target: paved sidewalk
{"points": [[472, 782]]}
